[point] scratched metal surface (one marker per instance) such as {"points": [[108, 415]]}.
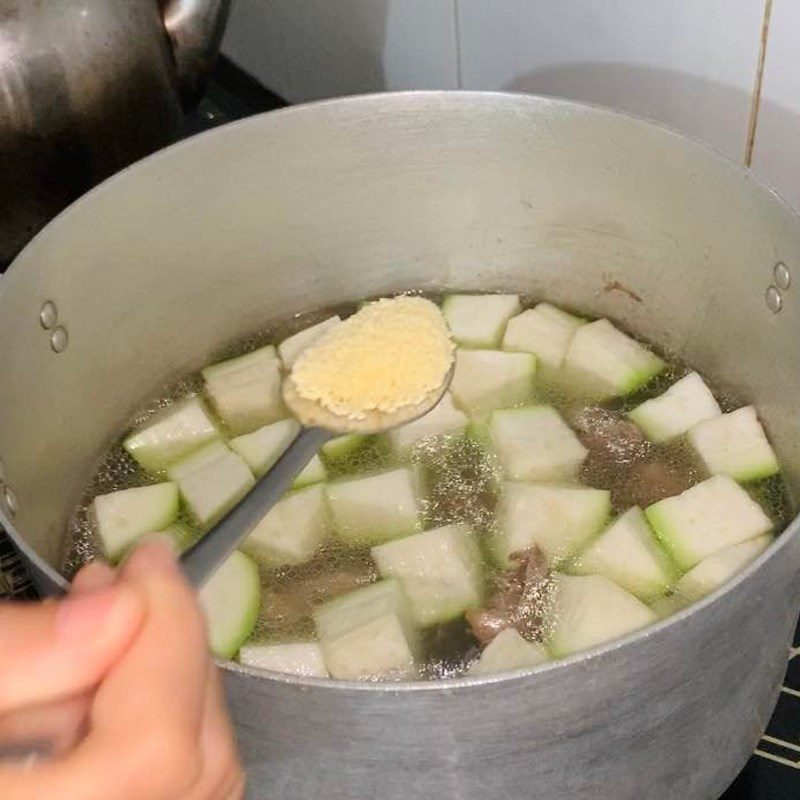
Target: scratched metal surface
{"points": [[773, 773]]}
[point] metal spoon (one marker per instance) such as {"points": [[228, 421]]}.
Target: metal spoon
{"points": [[319, 425]]}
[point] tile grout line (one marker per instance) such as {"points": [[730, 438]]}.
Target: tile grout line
{"points": [[457, 38], [755, 103]]}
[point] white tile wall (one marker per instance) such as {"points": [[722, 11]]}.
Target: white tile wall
{"points": [[688, 63], [776, 157], [309, 49]]}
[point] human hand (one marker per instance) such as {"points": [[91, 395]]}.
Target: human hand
{"points": [[119, 679]]}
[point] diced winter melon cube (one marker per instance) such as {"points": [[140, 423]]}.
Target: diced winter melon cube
{"points": [[289, 349], [204, 455], [374, 508], [629, 554], [246, 391], [292, 530], [680, 408], [478, 320], [231, 599], [609, 362], [735, 444], [262, 448], [590, 610], [171, 435], [314, 472], [368, 633], [535, 444], [294, 658], [508, 651], [487, 379], [441, 571], [182, 535], [212, 481], [705, 519], [443, 419], [717, 569], [123, 517], [342, 447], [545, 331], [557, 519]]}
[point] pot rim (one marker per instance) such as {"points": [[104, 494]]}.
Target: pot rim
{"points": [[504, 100]]}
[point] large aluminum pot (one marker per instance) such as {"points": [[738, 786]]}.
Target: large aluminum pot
{"points": [[318, 204]]}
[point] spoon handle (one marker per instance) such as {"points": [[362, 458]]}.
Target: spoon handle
{"points": [[202, 559]]}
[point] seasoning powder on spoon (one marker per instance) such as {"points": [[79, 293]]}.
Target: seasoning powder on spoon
{"points": [[392, 353]]}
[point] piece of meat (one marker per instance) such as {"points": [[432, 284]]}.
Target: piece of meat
{"points": [[518, 600], [651, 481], [291, 597], [611, 438], [623, 460]]}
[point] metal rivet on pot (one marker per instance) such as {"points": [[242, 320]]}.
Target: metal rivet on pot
{"points": [[11, 500], [783, 278], [774, 299], [48, 315], [59, 340]]}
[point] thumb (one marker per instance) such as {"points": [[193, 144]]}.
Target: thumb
{"points": [[53, 650]]}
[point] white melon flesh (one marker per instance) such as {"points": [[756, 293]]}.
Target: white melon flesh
{"points": [[535, 444], [478, 320], [231, 599], [558, 519], [374, 508], [608, 362], [292, 531], [262, 448], [680, 408], [368, 633], [293, 658], [508, 651], [125, 516], [484, 380], [718, 569], [212, 481], [289, 349], [545, 331], [444, 419], [441, 572], [246, 391], [705, 519], [629, 554], [587, 611], [171, 435], [735, 444], [314, 472]]}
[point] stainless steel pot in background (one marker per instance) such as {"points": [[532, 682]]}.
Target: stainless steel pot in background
{"points": [[314, 205], [87, 87]]}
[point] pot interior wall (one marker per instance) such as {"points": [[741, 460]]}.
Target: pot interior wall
{"points": [[216, 237]]}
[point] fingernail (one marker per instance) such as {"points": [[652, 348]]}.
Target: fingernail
{"points": [[84, 615], [155, 555]]}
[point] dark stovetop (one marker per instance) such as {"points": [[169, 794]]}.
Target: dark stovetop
{"points": [[773, 773]]}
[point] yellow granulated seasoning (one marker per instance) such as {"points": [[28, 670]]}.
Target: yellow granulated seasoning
{"points": [[392, 353]]}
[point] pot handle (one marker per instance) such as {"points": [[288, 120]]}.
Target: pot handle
{"points": [[195, 29]]}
